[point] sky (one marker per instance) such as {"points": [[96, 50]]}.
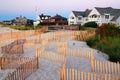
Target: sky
{"points": [[10, 9]]}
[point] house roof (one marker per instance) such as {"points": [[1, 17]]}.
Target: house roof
{"points": [[42, 15], [78, 13], [109, 10], [81, 13], [58, 17]]}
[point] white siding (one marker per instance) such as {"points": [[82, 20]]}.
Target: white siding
{"points": [[79, 21], [94, 11], [75, 20], [71, 21], [94, 15], [118, 21], [100, 19]]}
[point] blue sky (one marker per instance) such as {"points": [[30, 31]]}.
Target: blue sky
{"points": [[9, 9]]}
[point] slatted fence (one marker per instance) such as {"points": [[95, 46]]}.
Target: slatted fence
{"points": [[24, 70], [71, 74], [21, 34], [84, 35], [51, 56], [62, 48], [13, 62], [105, 67], [79, 53], [15, 47], [67, 35]]}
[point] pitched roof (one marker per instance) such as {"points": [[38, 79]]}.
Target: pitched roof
{"points": [[78, 13], [116, 14], [106, 10], [81, 13], [42, 15], [109, 10], [57, 17]]}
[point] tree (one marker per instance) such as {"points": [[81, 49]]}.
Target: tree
{"points": [[91, 24]]}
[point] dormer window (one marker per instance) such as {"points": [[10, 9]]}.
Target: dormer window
{"points": [[106, 16]]}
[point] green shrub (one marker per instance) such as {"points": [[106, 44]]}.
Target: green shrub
{"points": [[91, 24], [114, 56], [107, 30], [109, 41], [92, 41], [38, 26], [108, 45]]}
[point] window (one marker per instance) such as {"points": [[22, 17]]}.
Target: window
{"points": [[42, 17], [46, 17], [99, 16], [94, 16], [106, 16], [86, 19], [72, 17], [79, 18], [72, 22]]}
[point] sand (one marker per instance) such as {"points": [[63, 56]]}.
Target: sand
{"points": [[49, 70]]}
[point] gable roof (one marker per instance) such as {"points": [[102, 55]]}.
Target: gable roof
{"points": [[106, 10], [42, 15], [78, 13], [58, 17], [81, 13], [116, 14], [109, 10]]}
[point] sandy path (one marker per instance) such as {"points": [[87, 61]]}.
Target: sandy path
{"points": [[50, 71], [47, 71]]}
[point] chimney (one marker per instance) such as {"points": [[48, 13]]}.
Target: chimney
{"points": [[87, 9], [56, 14], [42, 14]]}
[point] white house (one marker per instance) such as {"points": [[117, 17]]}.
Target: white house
{"points": [[78, 17], [40, 19], [99, 15]]}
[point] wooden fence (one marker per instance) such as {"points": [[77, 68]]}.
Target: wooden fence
{"points": [[32, 41], [71, 74], [84, 35], [62, 48], [51, 56], [15, 47], [44, 42], [105, 67], [12, 62], [21, 34], [79, 53], [24, 70], [67, 35], [57, 44]]}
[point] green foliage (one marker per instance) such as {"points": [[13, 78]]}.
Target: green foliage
{"points": [[91, 24], [109, 41], [81, 27], [91, 41], [109, 45], [108, 30], [38, 26], [21, 27]]}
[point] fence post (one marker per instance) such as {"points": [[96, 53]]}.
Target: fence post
{"points": [[0, 62], [93, 65], [84, 75], [61, 73], [37, 63], [118, 66], [73, 74]]}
